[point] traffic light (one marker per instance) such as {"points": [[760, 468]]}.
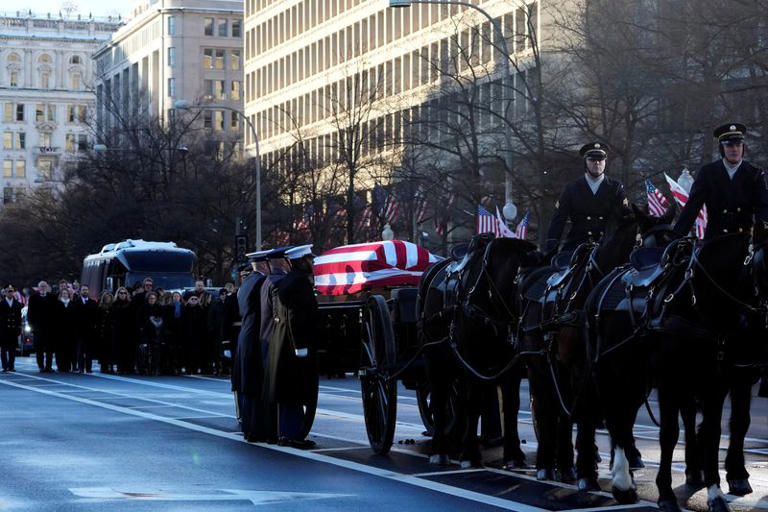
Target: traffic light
{"points": [[241, 248]]}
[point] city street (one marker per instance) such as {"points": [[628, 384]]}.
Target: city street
{"points": [[99, 442]]}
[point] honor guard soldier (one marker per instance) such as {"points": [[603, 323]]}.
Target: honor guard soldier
{"points": [[588, 202], [247, 361], [292, 378], [10, 328], [733, 190]]}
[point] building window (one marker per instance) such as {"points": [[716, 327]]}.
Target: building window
{"points": [[7, 168], [222, 23], [208, 26], [236, 87], [208, 119], [171, 87], [21, 140], [235, 120], [20, 112], [51, 112], [235, 59], [7, 195], [219, 62], [69, 142], [207, 58], [75, 81], [171, 56], [45, 140], [219, 89], [39, 113], [8, 112], [45, 82], [21, 169], [8, 140], [218, 120], [44, 58], [14, 57], [236, 28], [208, 88], [14, 79], [82, 112], [75, 60], [171, 25], [82, 142], [44, 170]]}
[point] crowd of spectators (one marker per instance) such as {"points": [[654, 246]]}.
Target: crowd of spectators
{"points": [[141, 330]]}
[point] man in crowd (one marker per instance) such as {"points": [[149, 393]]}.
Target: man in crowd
{"points": [[85, 313], [10, 328], [40, 316]]}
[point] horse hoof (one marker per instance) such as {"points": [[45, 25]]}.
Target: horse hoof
{"points": [[669, 506], [636, 462], [625, 497], [739, 487], [718, 504], [514, 464], [587, 485], [545, 474], [439, 460], [469, 464]]}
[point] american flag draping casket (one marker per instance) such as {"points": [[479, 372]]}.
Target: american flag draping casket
{"points": [[358, 267]]}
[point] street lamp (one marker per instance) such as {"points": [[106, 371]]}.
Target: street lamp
{"points": [[510, 210], [185, 105]]}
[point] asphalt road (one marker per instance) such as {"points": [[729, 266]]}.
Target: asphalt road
{"points": [[72, 442]]}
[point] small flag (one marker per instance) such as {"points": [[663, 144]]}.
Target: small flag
{"points": [[657, 203], [420, 206], [486, 222], [521, 231], [503, 230], [681, 197]]}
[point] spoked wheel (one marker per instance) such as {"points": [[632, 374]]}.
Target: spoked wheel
{"points": [[424, 401], [377, 359]]}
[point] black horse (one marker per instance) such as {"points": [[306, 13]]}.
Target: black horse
{"points": [[468, 314], [554, 335]]}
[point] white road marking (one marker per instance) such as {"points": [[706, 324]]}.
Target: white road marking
{"points": [[255, 497]]}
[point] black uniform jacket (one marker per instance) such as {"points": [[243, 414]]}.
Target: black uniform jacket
{"points": [[10, 323], [247, 365], [589, 213], [732, 204]]}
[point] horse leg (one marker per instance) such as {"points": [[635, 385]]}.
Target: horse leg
{"points": [[693, 475], [510, 395], [438, 374], [470, 455], [564, 448], [736, 472], [712, 399], [585, 460], [668, 436], [545, 425]]}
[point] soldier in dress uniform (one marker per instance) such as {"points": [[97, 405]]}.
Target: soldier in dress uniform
{"points": [[733, 190], [10, 328], [736, 196], [247, 363], [292, 377], [588, 202]]}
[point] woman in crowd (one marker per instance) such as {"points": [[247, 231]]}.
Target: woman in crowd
{"points": [[65, 339], [195, 335], [151, 354], [104, 333], [124, 331], [174, 328]]}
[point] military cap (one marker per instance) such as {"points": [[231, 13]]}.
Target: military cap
{"points": [[299, 252], [10, 288], [257, 256], [596, 150], [730, 132], [278, 253]]}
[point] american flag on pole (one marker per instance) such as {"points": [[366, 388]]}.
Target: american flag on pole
{"points": [[364, 223], [353, 268], [387, 204], [486, 222], [420, 206], [681, 197], [657, 203], [521, 231]]}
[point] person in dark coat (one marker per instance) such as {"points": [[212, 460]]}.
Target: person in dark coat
{"points": [[86, 313], [10, 328], [588, 202], [216, 331], [291, 377], [248, 363], [733, 190], [124, 335], [105, 348], [151, 356], [65, 320], [40, 316], [195, 333]]}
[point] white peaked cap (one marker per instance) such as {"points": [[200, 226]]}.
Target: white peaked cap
{"points": [[299, 252]]}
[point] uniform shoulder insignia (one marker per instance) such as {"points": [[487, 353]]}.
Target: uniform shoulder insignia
{"points": [[557, 204]]}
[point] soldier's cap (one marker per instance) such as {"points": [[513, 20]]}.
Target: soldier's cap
{"points": [[257, 256], [730, 132], [10, 288], [299, 252], [279, 253], [596, 150]]}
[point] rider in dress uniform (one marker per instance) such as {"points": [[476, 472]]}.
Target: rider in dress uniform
{"points": [[589, 202], [736, 196], [291, 371], [10, 328], [733, 190], [247, 362]]}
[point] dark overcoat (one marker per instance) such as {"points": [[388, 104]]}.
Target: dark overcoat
{"points": [[10, 323], [248, 365]]}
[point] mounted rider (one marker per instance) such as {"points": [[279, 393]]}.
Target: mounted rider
{"points": [[734, 191], [588, 202]]}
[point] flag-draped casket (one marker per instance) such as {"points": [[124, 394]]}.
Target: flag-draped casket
{"points": [[358, 267]]}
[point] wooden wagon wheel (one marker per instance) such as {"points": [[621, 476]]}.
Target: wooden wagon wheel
{"points": [[378, 356]]}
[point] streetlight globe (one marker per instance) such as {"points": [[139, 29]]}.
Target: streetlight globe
{"points": [[510, 211], [181, 104], [685, 180], [387, 233], [99, 148]]}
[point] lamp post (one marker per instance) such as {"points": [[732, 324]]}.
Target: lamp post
{"points": [[185, 105], [509, 210]]}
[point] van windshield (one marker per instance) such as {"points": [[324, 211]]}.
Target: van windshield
{"points": [[166, 281], [157, 261]]}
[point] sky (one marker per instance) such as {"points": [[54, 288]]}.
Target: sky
{"points": [[98, 8]]}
